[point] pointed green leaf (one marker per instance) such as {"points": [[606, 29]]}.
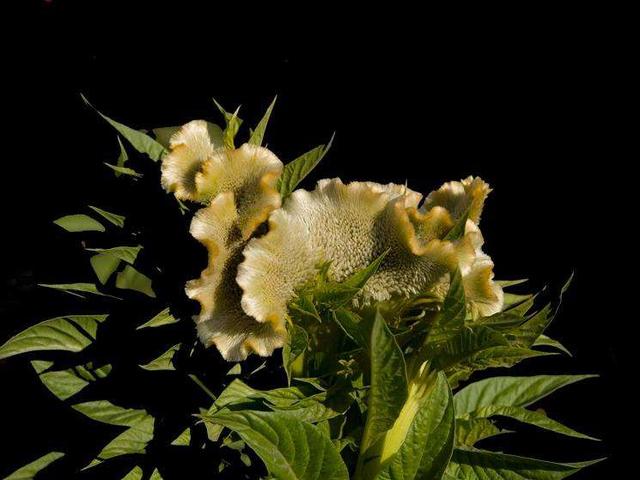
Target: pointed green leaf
{"points": [[117, 220], [132, 279], [124, 171], [66, 383], [61, 333], [458, 229], [471, 431], [183, 440], [75, 288], [388, 391], [155, 475], [233, 123], [544, 341], [106, 412], [482, 465], [258, 134], [138, 140], [290, 448], [511, 391], [428, 441], [161, 319], [296, 346], [29, 471], [537, 419], [126, 254], [164, 361], [454, 308], [296, 170], [104, 265], [133, 440], [135, 474], [79, 223]]}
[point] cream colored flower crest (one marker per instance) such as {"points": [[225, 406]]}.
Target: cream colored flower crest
{"points": [[240, 185], [450, 202], [221, 321], [350, 226]]}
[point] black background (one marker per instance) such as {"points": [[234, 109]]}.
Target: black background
{"points": [[531, 101]]}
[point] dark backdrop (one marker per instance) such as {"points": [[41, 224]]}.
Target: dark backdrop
{"points": [[523, 99]]}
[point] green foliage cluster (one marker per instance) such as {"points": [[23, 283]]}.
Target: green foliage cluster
{"points": [[379, 392]]}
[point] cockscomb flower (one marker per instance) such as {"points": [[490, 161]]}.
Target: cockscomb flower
{"points": [[350, 226], [240, 187], [459, 199]]}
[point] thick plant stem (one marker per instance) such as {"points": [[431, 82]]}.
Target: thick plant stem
{"points": [[373, 457]]}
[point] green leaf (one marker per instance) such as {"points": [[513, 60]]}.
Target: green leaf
{"points": [[66, 383], [135, 474], [29, 471], [537, 419], [161, 319], [258, 134], [126, 254], [138, 140], [155, 475], [388, 391], [108, 260], [544, 341], [454, 308], [133, 440], [119, 167], [132, 279], [471, 431], [124, 171], [71, 333], [79, 223], [428, 442], [458, 229], [164, 361], [353, 326], [511, 391], [106, 412], [307, 404], [511, 283], [466, 343], [74, 288], [296, 346], [104, 264], [233, 123], [296, 170], [183, 440], [117, 220], [290, 448], [482, 465]]}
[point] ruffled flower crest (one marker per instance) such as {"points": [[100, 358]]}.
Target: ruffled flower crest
{"points": [[454, 200], [350, 226], [240, 188]]}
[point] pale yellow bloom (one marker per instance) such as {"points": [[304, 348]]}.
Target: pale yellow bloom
{"points": [[484, 296], [240, 187], [350, 226]]}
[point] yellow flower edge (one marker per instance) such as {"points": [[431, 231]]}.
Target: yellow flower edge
{"points": [[348, 225]]}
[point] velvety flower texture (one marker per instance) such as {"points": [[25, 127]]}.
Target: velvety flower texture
{"points": [[250, 280]]}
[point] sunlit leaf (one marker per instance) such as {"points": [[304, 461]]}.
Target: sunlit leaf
{"points": [[29, 471], [138, 140], [132, 279], [164, 361], [183, 440], [106, 412], [117, 220], [66, 383], [135, 474], [290, 448], [482, 465], [296, 170], [133, 440], [79, 223], [258, 134], [162, 318], [72, 333], [76, 289]]}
